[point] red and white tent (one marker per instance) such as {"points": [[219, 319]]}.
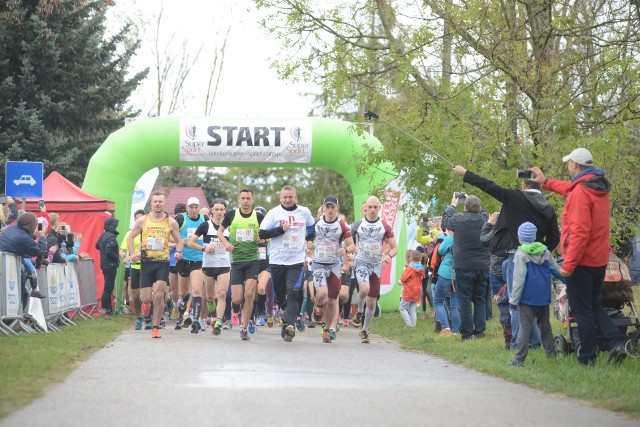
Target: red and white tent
{"points": [[84, 213]]}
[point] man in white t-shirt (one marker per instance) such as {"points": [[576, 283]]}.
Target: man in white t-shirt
{"points": [[291, 230]]}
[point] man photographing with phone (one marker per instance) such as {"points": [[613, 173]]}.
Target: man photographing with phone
{"points": [[518, 207]]}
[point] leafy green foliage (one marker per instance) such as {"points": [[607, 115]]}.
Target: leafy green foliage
{"points": [[63, 82]]}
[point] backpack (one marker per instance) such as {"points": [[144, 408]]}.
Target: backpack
{"points": [[436, 260]]}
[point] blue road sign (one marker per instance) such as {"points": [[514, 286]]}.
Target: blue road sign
{"points": [[23, 179]]}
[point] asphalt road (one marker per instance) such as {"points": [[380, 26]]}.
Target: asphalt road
{"points": [[184, 379]]}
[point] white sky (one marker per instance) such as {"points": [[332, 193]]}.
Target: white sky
{"points": [[248, 88]]}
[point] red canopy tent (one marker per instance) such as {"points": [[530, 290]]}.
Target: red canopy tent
{"points": [[84, 213]]}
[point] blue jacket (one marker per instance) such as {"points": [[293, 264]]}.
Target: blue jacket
{"points": [[20, 242], [446, 265], [533, 264]]}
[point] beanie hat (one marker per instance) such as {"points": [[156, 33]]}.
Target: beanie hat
{"points": [[527, 232]]}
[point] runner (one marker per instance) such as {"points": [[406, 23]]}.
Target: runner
{"points": [[370, 260], [189, 267], [288, 226], [330, 232], [263, 276], [155, 228], [180, 208], [243, 239], [134, 271], [215, 258]]}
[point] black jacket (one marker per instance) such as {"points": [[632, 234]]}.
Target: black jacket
{"points": [[518, 207], [108, 245], [16, 240], [468, 252]]}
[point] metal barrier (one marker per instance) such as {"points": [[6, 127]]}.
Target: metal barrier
{"points": [[11, 320], [87, 282], [69, 289]]}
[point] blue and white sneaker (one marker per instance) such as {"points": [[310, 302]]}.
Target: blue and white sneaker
{"points": [[138, 325], [261, 320], [252, 327]]}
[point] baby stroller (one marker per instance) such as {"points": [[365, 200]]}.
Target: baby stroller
{"points": [[617, 300]]}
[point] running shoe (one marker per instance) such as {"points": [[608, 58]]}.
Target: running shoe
{"points": [[316, 316], [147, 322], [217, 327], [332, 334], [345, 322], [35, 293], [155, 333], [174, 314], [179, 324], [326, 337], [356, 322], [203, 325], [288, 332], [364, 337], [270, 322], [252, 327], [195, 327], [162, 323], [378, 311], [138, 325], [311, 325], [227, 325], [300, 325], [261, 321], [244, 335], [186, 320], [337, 327], [280, 321], [235, 318]]}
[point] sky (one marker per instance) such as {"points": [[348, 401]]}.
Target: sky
{"points": [[248, 88]]}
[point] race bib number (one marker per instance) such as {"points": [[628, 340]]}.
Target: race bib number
{"points": [[191, 232], [262, 252], [155, 243], [244, 235], [327, 251], [293, 238], [372, 249], [218, 248]]}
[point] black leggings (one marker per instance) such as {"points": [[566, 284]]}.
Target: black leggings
{"points": [[109, 283]]}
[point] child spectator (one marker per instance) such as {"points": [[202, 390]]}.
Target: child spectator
{"points": [[109, 260], [411, 281], [532, 290]]}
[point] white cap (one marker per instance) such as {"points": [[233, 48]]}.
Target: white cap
{"points": [[193, 201], [581, 156]]}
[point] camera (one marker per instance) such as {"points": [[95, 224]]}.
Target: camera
{"points": [[460, 195], [523, 173]]}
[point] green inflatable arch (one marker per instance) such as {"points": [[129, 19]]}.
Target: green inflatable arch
{"points": [[169, 141]]}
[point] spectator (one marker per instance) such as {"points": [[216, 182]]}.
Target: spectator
{"points": [[518, 206], [445, 285], [411, 282], [9, 212], [586, 254], [109, 260], [532, 290], [19, 240], [471, 264]]}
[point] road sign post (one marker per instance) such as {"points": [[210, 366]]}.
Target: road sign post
{"points": [[24, 179]]}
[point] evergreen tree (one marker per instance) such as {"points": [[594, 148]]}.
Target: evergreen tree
{"points": [[64, 82]]}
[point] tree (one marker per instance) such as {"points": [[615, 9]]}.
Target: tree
{"points": [[491, 85], [63, 82]]}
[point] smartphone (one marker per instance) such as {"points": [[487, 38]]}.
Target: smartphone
{"points": [[3, 200], [425, 221], [64, 228], [39, 226], [523, 173], [70, 240], [40, 204]]}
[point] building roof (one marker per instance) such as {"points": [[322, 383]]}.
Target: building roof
{"points": [[180, 195]]}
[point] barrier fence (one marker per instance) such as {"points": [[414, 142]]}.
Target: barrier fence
{"points": [[69, 290]]}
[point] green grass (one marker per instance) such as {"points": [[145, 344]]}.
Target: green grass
{"points": [[615, 388], [33, 362]]}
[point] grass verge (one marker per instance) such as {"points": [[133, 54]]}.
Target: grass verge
{"points": [[33, 362], [615, 388]]}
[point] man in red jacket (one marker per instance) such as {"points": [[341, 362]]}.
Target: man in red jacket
{"points": [[585, 248]]}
